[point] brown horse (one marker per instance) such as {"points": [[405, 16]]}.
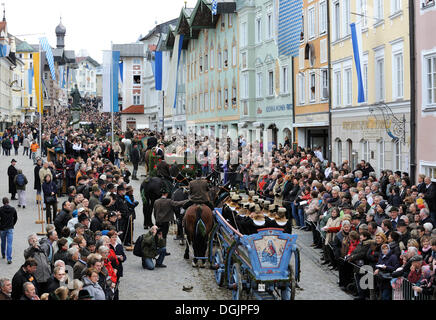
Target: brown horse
{"points": [[198, 223]]}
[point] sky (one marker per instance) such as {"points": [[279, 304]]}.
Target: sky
{"points": [[91, 24]]}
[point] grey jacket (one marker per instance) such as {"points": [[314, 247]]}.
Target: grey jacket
{"points": [[94, 289], [43, 270]]}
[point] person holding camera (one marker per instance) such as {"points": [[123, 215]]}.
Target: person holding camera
{"points": [[153, 245], [43, 269]]}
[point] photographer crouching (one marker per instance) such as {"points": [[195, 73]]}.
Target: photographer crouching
{"points": [[153, 245]]}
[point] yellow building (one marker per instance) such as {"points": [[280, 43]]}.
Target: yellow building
{"points": [[373, 130], [25, 53], [311, 79]]}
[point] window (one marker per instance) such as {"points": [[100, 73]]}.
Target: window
{"points": [[220, 61], [270, 83], [270, 26], [244, 80], [380, 79], [234, 97], [395, 6], [259, 85], [136, 79], [234, 57], [346, 26], [430, 82], [398, 75], [339, 151], [311, 22], [201, 102], [378, 9], [365, 150], [312, 87], [337, 94], [201, 64], [348, 87], [259, 30], [31, 102], [220, 102], [337, 21], [361, 9], [381, 155], [243, 34], [244, 60], [230, 20], [137, 61], [136, 100], [212, 58], [322, 17], [397, 155], [325, 84], [301, 88], [350, 152], [226, 58], [302, 28], [31, 56], [365, 80], [285, 79], [429, 171], [206, 62], [212, 100], [226, 97]]}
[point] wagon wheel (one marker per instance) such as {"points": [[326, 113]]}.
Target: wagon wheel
{"points": [[288, 293], [236, 282], [218, 261]]}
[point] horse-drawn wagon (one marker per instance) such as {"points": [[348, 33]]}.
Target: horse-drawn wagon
{"points": [[264, 265]]}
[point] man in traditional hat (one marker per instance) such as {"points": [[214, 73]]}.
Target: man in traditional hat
{"points": [[199, 192], [12, 172], [282, 222], [121, 206]]}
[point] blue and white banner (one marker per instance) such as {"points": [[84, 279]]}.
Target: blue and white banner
{"points": [[30, 81], [4, 50], [111, 64], [356, 36], [49, 55], [290, 26], [158, 66], [178, 50], [214, 7], [61, 75], [121, 72]]}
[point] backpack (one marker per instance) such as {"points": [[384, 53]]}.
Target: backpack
{"points": [[20, 180], [137, 249]]}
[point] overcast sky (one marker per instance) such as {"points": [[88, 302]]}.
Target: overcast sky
{"points": [[90, 24]]}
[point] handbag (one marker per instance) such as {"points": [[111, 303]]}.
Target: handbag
{"points": [[50, 199]]}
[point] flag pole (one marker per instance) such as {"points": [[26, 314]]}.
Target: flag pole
{"points": [[112, 101], [39, 99]]}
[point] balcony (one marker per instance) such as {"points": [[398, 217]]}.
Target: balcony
{"points": [[427, 4]]}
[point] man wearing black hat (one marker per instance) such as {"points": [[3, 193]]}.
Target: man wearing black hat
{"points": [[199, 192], [135, 157], [394, 217], [12, 172], [121, 206]]}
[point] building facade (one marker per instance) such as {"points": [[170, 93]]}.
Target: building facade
{"points": [[86, 76], [265, 77], [425, 51], [212, 70], [25, 53], [376, 130], [311, 79], [132, 57]]}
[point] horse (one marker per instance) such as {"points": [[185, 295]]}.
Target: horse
{"points": [[179, 194], [198, 223], [151, 190]]}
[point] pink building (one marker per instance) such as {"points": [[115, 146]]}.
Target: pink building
{"points": [[425, 46]]}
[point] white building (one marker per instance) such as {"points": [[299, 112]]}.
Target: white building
{"points": [[86, 76], [132, 57]]}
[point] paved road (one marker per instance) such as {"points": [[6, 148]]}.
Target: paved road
{"points": [[139, 284]]}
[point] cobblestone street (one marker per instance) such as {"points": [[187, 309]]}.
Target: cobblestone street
{"points": [[139, 284]]}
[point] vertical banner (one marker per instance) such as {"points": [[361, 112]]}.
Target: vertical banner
{"points": [[115, 75], [30, 81], [107, 60], [49, 55], [290, 24], [158, 70], [37, 77], [174, 66], [121, 72], [110, 80], [356, 36]]}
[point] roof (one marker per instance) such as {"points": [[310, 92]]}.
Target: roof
{"points": [[129, 49], [134, 110], [23, 46], [160, 28], [89, 59], [2, 25]]}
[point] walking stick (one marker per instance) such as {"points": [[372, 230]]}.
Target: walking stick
{"points": [[130, 248], [38, 200]]}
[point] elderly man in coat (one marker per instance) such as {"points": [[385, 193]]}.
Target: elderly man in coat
{"points": [[12, 173]]}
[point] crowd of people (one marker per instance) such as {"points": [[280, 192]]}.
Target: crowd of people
{"points": [[357, 218]]}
